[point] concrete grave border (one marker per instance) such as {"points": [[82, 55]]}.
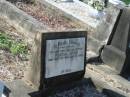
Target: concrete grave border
{"points": [[104, 77]]}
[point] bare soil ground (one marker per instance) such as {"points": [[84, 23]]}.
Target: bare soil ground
{"points": [[12, 67], [53, 20]]}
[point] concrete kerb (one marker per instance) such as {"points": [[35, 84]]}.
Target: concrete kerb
{"points": [[21, 20], [54, 9], [105, 77]]}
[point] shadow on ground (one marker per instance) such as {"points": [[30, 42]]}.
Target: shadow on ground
{"points": [[105, 92], [111, 93], [85, 81]]}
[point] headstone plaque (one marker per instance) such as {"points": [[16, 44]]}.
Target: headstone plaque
{"points": [[63, 57]]}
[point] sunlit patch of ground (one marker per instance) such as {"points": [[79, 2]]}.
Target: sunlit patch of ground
{"points": [[12, 66]]}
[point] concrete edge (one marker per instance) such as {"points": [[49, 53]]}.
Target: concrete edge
{"points": [[20, 19], [54, 9], [105, 77]]}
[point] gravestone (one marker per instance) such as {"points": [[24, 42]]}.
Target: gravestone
{"points": [[116, 53], [63, 57], [59, 58]]}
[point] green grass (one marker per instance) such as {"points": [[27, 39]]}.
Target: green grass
{"points": [[126, 1], [15, 47]]}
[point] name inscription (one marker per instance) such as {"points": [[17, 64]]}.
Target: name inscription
{"points": [[64, 56]]}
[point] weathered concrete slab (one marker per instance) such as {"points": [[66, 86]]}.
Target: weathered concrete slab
{"points": [[21, 20], [20, 88], [75, 10], [104, 77], [115, 54], [113, 57], [93, 47]]}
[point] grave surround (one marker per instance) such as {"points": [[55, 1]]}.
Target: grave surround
{"points": [[40, 58], [63, 57]]}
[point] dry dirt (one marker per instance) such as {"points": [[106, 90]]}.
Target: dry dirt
{"points": [[12, 67], [55, 21]]}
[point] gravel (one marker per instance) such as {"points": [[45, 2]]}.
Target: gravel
{"points": [[80, 91], [8, 67]]}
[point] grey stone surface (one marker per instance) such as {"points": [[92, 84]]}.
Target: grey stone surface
{"points": [[20, 89], [105, 77], [33, 73], [113, 57], [115, 54], [120, 37], [94, 47]]}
